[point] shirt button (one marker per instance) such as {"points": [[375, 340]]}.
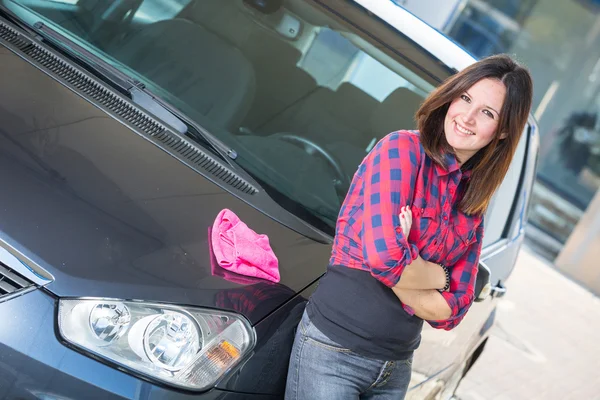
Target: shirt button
{"points": [[445, 218], [398, 229]]}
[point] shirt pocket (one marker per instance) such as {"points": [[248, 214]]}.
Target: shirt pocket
{"points": [[463, 238], [466, 234], [426, 219]]}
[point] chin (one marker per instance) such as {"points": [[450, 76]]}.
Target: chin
{"points": [[451, 139]]}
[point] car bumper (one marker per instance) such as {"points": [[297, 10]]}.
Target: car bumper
{"points": [[35, 364]]}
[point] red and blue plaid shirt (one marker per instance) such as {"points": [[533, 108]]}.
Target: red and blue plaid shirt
{"points": [[397, 172]]}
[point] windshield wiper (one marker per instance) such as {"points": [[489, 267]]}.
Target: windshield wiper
{"points": [[134, 89]]}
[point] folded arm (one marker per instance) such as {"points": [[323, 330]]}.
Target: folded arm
{"points": [[421, 274], [445, 310], [389, 175], [428, 304]]}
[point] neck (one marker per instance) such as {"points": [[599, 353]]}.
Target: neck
{"points": [[462, 158]]}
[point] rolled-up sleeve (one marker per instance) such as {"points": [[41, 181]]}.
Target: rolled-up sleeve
{"points": [[462, 284], [389, 176]]}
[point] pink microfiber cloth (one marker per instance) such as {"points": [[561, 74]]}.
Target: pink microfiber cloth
{"points": [[216, 270], [239, 249]]}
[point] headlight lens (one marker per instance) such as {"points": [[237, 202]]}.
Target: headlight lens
{"points": [[109, 321], [187, 347], [171, 340]]}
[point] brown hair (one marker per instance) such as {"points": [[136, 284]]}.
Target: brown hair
{"points": [[490, 164]]}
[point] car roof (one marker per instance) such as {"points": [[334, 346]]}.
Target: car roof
{"points": [[430, 39]]}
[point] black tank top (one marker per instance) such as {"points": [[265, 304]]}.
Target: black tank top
{"points": [[360, 313]]}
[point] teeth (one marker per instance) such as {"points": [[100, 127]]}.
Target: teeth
{"points": [[464, 130]]}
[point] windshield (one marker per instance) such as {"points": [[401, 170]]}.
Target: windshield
{"points": [[300, 97]]}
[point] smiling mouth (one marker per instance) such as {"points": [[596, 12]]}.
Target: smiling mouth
{"points": [[463, 130]]}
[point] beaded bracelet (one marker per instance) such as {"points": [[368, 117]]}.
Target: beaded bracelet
{"points": [[447, 272]]}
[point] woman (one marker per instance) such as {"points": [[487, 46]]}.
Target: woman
{"points": [[363, 323]]}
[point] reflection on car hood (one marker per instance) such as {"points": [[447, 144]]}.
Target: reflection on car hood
{"points": [[112, 215]]}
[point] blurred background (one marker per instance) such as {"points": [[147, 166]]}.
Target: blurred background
{"points": [[559, 40], [545, 343]]}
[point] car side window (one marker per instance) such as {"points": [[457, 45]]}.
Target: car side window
{"points": [[498, 213]]}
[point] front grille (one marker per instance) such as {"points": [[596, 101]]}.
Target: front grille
{"points": [[11, 282]]}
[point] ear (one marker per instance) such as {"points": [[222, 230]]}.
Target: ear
{"points": [[503, 135]]}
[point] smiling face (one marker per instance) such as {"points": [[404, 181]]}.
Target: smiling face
{"points": [[472, 118]]}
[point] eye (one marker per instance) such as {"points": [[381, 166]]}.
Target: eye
{"points": [[488, 113], [465, 98]]}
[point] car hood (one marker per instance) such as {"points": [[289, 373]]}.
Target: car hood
{"points": [[110, 214]]}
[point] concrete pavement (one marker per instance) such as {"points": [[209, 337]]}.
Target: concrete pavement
{"points": [[546, 344]]}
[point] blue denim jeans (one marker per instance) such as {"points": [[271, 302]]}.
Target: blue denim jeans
{"points": [[322, 369]]}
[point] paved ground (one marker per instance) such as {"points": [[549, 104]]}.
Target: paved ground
{"points": [[546, 344]]}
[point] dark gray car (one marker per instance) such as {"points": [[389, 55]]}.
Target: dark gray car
{"points": [[126, 126]]}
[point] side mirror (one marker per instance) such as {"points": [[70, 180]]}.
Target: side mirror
{"points": [[483, 286]]}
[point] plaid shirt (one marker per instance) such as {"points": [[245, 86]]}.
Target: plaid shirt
{"points": [[395, 173]]}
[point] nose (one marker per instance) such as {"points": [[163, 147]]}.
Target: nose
{"points": [[469, 115]]}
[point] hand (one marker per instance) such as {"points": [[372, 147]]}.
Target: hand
{"points": [[406, 220]]}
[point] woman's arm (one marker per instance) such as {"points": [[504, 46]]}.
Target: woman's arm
{"points": [[389, 175], [445, 310], [427, 304], [421, 274]]}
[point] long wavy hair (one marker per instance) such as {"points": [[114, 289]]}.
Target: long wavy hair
{"points": [[490, 164]]}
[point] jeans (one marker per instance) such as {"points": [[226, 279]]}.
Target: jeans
{"points": [[322, 369]]}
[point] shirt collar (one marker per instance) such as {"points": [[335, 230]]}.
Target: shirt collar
{"points": [[451, 163], [453, 166]]}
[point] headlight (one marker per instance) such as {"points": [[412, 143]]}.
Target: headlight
{"points": [[187, 347]]}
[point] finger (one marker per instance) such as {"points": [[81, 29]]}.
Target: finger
{"points": [[405, 227], [409, 217], [404, 212], [407, 230], [403, 220]]}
